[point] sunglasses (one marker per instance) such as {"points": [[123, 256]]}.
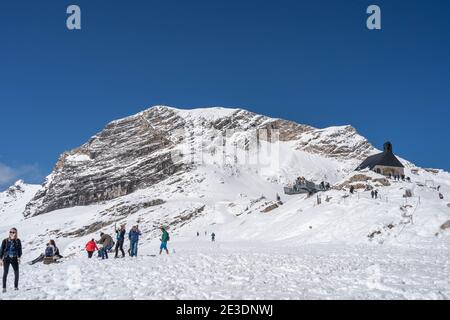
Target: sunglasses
{"points": [[12, 232]]}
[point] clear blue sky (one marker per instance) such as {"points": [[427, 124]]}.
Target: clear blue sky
{"points": [[313, 62]]}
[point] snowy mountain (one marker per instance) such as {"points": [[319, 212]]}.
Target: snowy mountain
{"points": [[138, 152], [14, 200], [219, 170]]}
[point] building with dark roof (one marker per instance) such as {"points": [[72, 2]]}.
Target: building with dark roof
{"points": [[385, 163]]}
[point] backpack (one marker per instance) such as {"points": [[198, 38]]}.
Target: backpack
{"points": [[49, 251], [168, 237]]}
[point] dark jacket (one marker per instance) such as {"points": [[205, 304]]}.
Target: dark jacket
{"points": [[120, 233], [134, 235], [6, 245]]}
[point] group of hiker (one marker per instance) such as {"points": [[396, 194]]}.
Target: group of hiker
{"points": [[325, 186], [11, 249], [374, 194], [213, 235], [398, 177], [107, 243]]}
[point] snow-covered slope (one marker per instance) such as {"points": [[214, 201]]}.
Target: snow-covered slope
{"points": [[219, 170], [14, 200]]}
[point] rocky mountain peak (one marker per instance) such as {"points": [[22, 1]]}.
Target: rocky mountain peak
{"points": [[137, 151]]}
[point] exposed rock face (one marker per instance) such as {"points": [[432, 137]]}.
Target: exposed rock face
{"points": [[127, 155], [14, 199], [337, 142], [16, 190], [138, 151], [446, 225]]}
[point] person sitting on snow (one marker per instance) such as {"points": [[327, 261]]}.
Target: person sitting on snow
{"points": [[51, 251]]}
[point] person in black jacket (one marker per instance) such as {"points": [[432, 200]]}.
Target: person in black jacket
{"points": [[120, 236], [10, 254]]}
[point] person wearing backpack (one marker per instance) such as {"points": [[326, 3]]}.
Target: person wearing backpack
{"points": [[91, 247], [10, 254], [120, 236], [164, 239], [51, 251], [134, 235], [56, 254]]}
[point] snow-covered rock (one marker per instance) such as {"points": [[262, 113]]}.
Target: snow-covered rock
{"points": [[14, 200], [141, 150]]}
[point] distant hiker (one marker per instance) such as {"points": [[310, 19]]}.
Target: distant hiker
{"points": [[206, 233], [91, 247], [51, 251], [134, 235], [10, 254], [107, 243], [376, 194], [213, 237], [438, 188], [278, 198], [198, 234], [352, 189], [441, 196], [120, 237], [373, 194], [164, 239]]}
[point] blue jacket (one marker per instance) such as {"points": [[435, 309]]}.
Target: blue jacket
{"points": [[134, 235], [11, 248]]}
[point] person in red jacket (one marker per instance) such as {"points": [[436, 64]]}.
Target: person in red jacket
{"points": [[91, 247]]}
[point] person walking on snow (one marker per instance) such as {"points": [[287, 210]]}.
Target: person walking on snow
{"points": [[213, 237], [134, 240], [91, 247], [373, 194], [107, 243], [10, 254], [164, 239], [120, 236], [376, 194]]}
